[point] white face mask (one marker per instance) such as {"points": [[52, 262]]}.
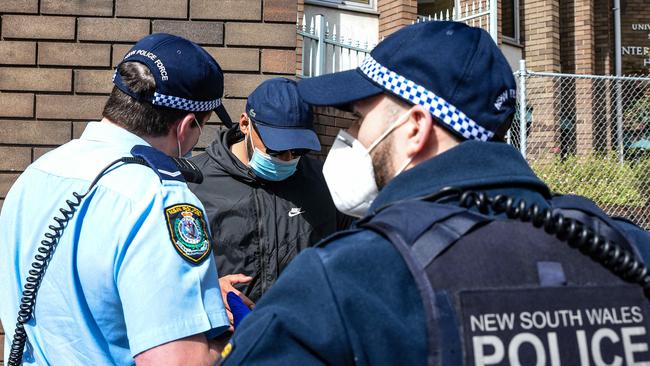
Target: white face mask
{"points": [[349, 172]]}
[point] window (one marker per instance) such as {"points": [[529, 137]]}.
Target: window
{"points": [[510, 20], [434, 7], [354, 4]]}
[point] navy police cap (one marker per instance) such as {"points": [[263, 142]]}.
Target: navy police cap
{"points": [[187, 77], [455, 71], [282, 118]]}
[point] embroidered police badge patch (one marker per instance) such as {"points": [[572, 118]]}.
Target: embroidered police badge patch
{"points": [[187, 230]]}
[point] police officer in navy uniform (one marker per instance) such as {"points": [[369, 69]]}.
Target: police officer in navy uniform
{"points": [[132, 279], [266, 199], [430, 101]]}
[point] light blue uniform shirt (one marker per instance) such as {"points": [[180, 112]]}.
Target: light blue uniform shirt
{"points": [[116, 285]]}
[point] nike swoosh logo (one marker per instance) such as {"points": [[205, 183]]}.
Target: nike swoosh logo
{"points": [[297, 212]]}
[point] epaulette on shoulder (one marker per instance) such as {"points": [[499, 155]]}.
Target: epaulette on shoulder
{"points": [[161, 164]]}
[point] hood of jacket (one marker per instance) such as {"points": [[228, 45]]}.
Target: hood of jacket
{"points": [[225, 160]]}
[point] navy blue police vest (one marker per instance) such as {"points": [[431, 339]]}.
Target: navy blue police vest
{"points": [[531, 286]]}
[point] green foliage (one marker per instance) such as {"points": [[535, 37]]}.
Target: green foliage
{"points": [[600, 178], [642, 170], [638, 114]]}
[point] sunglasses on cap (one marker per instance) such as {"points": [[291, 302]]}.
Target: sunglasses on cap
{"points": [[294, 152]]}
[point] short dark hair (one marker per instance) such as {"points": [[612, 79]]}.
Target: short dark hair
{"points": [[141, 118]]}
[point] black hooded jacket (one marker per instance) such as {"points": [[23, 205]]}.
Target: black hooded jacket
{"points": [[258, 226]]}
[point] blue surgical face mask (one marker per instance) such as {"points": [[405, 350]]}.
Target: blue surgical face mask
{"points": [[268, 167]]}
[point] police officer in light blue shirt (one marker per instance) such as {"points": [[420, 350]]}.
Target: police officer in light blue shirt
{"points": [[132, 278]]}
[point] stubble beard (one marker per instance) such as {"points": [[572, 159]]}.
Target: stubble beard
{"points": [[382, 163]]}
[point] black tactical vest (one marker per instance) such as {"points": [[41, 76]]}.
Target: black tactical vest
{"points": [[508, 284]]}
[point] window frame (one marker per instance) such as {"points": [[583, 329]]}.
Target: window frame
{"points": [[516, 40], [346, 5]]}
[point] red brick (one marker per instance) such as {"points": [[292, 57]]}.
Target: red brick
{"points": [[279, 61], [74, 54], [199, 32], [119, 51], [151, 8], [83, 107], [15, 159], [280, 11], [77, 7], [226, 9], [6, 181], [40, 151], [241, 85], [208, 135], [78, 128], [111, 29], [18, 53], [34, 132], [236, 59], [93, 81], [41, 27], [24, 78], [16, 105], [234, 107], [19, 6], [261, 34]]}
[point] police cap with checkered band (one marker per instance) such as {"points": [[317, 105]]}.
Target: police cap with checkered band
{"points": [[187, 77], [455, 71]]}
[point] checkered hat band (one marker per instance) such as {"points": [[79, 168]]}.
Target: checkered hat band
{"points": [[417, 94], [184, 104]]}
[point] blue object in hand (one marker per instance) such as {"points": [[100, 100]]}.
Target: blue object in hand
{"points": [[237, 307]]}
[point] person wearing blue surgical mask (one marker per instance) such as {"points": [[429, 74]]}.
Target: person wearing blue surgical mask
{"points": [[267, 163], [266, 199]]}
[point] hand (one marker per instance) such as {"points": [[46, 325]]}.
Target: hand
{"points": [[226, 283]]}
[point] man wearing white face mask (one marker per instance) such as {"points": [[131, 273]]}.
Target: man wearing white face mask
{"points": [[404, 286], [266, 199]]}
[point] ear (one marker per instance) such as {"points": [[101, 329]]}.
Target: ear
{"points": [[244, 123], [419, 132], [184, 125]]}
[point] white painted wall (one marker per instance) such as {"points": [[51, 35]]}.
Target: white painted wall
{"points": [[361, 26], [513, 55]]}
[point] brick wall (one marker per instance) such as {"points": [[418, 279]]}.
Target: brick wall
{"points": [[603, 37], [299, 42], [541, 38], [395, 14], [328, 122], [577, 50], [57, 56]]}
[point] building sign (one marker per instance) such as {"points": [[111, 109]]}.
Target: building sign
{"points": [[635, 36]]}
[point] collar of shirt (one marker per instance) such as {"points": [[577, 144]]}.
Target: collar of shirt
{"points": [[112, 134], [471, 164]]}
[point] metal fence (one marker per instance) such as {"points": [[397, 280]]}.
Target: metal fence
{"points": [[325, 51], [475, 13], [588, 135]]}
